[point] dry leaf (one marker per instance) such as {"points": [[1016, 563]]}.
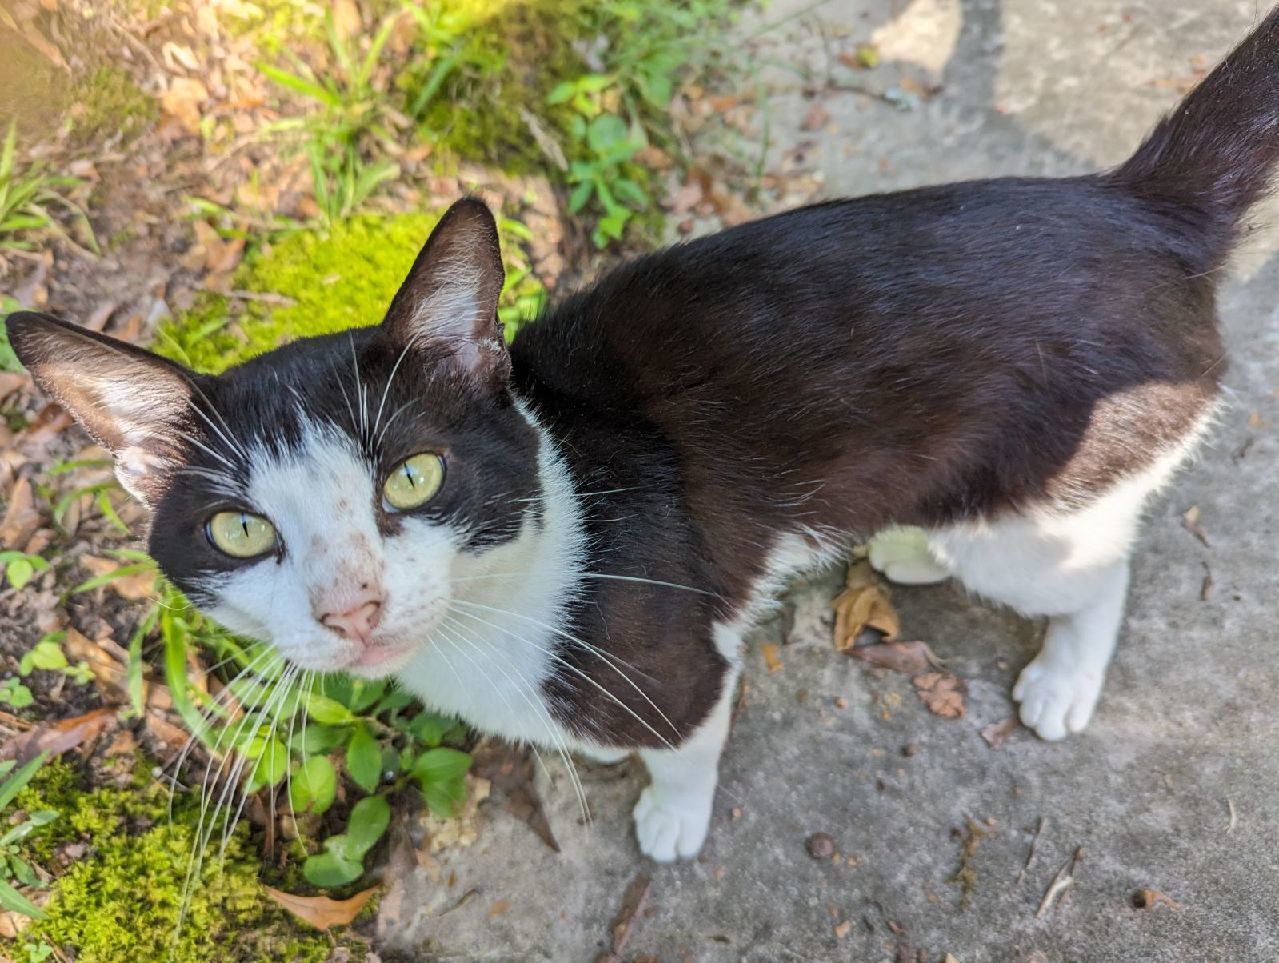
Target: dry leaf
{"points": [[57, 738], [909, 657], [816, 118], [182, 101], [109, 672], [11, 381], [140, 585], [346, 19], [320, 911], [12, 924], [863, 604], [44, 430], [772, 655], [942, 693], [177, 55], [1190, 522], [997, 732], [21, 518], [1146, 898], [634, 900], [165, 732], [686, 198], [498, 908]]}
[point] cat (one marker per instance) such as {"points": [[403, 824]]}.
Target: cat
{"points": [[562, 541]]}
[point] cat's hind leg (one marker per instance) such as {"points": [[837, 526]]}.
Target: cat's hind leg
{"points": [[902, 555], [674, 810], [1072, 568]]}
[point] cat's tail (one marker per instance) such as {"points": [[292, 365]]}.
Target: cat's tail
{"points": [[1209, 160]]}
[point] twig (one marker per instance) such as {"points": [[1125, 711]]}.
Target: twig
{"points": [[1064, 879], [1034, 849], [263, 296], [1230, 808]]}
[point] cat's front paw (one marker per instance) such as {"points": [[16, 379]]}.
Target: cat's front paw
{"points": [[671, 827], [1056, 700], [903, 556]]}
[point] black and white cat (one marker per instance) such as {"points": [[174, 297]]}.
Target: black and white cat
{"points": [[564, 542]]}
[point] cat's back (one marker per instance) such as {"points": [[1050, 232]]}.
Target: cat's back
{"points": [[1018, 272]]}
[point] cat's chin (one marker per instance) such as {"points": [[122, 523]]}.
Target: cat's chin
{"points": [[378, 661]]}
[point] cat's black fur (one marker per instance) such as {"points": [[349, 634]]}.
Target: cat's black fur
{"points": [[925, 357]]}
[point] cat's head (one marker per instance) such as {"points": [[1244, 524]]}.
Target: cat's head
{"points": [[329, 496]]}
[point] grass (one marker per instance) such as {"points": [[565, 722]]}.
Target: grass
{"points": [[29, 195], [543, 104]]}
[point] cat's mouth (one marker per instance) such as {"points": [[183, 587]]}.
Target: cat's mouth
{"points": [[380, 659]]}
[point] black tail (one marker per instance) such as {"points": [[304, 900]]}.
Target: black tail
{"points": [[1212, 158]]}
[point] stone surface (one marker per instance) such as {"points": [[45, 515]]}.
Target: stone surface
{"points": [[1187, 730]]}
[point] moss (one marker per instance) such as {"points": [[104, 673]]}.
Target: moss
{"points": [[121, 900], [322, 282], [109, 101]]}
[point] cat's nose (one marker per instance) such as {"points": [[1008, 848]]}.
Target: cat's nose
{"points": [[355, 624]]}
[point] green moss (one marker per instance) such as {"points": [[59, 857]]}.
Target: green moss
{"points": [[322, 282], [121, 900], [109, 101]]}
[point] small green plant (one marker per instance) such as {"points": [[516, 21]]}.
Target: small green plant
{"points": [[28, 196], [350, 120], [20, 568], [605, 145], [47, 654], [8, 360], [276, 730], [13, 693], [13, 868]]}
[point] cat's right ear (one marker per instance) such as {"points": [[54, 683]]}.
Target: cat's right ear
{"points": [[130, 401]]}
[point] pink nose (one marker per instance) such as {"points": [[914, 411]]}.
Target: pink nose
{"points": [[355, 624]]}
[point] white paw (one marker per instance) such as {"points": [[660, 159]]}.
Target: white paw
{"points": [[670, 829], [903, 556], [1056, 699]]}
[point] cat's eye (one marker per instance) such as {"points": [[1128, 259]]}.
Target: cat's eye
{"points": [[240, 534], [414, 482]]}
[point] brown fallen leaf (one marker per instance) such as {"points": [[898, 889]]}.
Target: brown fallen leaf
{"points": [[498, 908], [346, 19], [909, 657], [633, 902], [139, 585], [772, 653], [942, 693], [109, 671], [816, 118], [863, 604], [182, 101], [1190, 522], [1146, 898], [20, 518], [320, 911], [56, 739], [12, 924], [11, 381], [997, 732]]}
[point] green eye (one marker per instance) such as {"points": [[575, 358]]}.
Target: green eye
{"points": [[414, 482], [240, 534]]}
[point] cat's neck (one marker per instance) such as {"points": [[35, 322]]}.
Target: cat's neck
{"points": [[498, 643]]}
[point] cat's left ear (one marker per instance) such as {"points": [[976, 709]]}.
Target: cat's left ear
{"points": [[449, 300], [130, 401]]}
